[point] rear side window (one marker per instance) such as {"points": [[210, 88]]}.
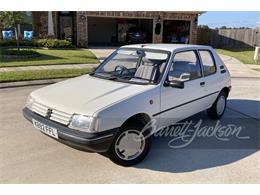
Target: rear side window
{"points": [[185, 66], [208, 63]]}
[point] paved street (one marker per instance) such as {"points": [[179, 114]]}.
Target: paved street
{"points": [[28, 156]]}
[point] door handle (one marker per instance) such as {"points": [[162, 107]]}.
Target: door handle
{"points": [[202, 84]]}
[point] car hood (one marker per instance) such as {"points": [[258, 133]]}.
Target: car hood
{"points": [[86, 94]]}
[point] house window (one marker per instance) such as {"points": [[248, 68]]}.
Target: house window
{"points": [[26, 24]]}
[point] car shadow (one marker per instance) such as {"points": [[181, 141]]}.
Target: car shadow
{"points": [[207, 152], [251, 108]]}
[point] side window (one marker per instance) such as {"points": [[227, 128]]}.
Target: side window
{"points": [[185, 66], [207, 62]]}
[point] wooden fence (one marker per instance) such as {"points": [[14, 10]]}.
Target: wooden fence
{"points": [[229, 38]]}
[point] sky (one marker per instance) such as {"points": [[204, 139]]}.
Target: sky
{"points": [[230, 19]]}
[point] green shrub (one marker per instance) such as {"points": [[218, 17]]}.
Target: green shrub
{"points": [[55, 43], [49, 43], [7, 43]]}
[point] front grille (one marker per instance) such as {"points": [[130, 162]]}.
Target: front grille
{"points": [[60, 117], [56, 115], [39, 109]]}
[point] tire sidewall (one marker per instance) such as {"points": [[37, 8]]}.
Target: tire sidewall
{"points": [[116, 159], [212, 112], [225, 97]]}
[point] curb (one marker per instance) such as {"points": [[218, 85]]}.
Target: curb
{"points": [[51, 81], [29, 83]]}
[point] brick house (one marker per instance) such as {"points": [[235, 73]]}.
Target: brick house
{"points": [[107, 28]]}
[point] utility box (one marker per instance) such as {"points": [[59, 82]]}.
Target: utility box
{"points": [[257, 54]]}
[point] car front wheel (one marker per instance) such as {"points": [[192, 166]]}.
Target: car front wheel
{"points": [[130, 146], [218, 108]]}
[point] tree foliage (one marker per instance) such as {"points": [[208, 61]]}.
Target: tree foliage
{"points": [[203, 26], [10, 20]]}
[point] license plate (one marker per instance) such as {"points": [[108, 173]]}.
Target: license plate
{"points": [[45, 128]]}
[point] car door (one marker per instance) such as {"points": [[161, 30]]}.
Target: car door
{"points": [[176, 103]]}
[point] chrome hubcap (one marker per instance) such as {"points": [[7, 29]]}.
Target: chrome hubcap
{"points": [[221, 105], [129, 145]]}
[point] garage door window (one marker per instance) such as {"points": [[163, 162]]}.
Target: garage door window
{"points": [[208, 63], [185, 66]]}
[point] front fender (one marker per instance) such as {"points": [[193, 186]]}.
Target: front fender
{"points": [[115, 115]]}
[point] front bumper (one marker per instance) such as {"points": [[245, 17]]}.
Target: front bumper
{"points": [[96, 142]]}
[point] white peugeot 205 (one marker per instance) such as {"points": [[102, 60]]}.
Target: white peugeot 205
{"points": [[107, 110]]}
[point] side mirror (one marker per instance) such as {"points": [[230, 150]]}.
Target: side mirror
{"points": [[174, 84], [185, 76]]}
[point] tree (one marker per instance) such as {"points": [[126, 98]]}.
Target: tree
{"points": [[203, 26], [11, 20], [223, 27]]}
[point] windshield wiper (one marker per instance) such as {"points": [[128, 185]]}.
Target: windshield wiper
{"points": [[112, 77], [105, 76]]}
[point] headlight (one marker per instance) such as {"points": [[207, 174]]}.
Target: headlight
{"points": [[29, 102], [82, 123]]}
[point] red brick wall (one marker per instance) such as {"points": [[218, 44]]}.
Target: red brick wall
{"points": [[40, 22]]}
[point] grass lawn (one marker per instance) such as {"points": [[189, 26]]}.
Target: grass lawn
{"points": [[41, 74], [257, 69], [244, 55], [53, 56]]}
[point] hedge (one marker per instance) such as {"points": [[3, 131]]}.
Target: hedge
{"points": [[48, 43]]}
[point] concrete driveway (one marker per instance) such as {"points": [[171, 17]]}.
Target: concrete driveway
{"points": [[28, 156], [102, 53], [238, 69]]}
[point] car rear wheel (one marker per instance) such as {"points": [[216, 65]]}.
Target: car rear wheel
{"points": [[130, 146], [218, 108]]}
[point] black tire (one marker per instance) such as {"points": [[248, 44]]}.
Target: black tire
{"points": [[113, 154], [213, 111]]}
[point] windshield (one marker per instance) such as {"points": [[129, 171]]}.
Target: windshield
{"points": [[140, 66]]}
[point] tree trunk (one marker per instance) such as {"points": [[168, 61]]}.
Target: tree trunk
{"points": [[17, 38]]}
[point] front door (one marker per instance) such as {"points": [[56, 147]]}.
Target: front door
{"points": [[66, 26], [177, 104]]}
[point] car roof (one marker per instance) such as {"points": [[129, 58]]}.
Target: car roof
{"points": [[167, 47]]}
